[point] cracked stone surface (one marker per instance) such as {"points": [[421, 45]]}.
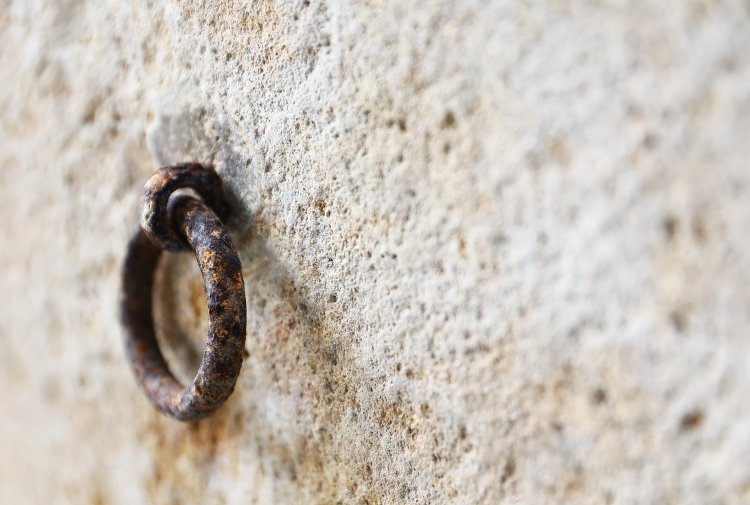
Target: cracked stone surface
{"points": [[495, 251]]}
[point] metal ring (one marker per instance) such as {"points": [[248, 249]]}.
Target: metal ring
{"points": [[156, 221], [225, 290]]}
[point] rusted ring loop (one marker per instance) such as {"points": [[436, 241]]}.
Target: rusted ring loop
{"points": [[157, 222], [225, 290]]}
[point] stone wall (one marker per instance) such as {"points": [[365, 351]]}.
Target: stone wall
{"points": [[495, 251]]}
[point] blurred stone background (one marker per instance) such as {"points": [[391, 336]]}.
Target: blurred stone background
{"points": [[495, 251]]}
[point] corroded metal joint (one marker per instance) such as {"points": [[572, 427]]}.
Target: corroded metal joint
{"points": [[174, 224], [157, 222]]}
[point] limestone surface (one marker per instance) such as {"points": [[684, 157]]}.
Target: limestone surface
{"points": [[495, 251]]}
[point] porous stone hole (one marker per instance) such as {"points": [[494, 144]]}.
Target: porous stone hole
{"points": [[400, 123], [679, 320], [180, 313], [669, 226], [691, 420], [462, 432], [448, 121], [320, 206], [508, 470], [599, 396]]}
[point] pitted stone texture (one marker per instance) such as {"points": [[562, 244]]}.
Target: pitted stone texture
{"points": [[495, 252]]}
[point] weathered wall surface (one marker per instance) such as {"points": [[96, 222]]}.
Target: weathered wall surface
{"points": [[495, 252]]}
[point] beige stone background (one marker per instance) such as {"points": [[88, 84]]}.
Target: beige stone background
{"points": [[495, 251]]}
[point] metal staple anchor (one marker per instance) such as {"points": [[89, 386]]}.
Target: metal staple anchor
{"points": [[175, 224]]}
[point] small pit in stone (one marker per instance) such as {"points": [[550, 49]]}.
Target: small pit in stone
{"points": [[669, 225], [448, 121], [691, 420], [599, 396], [679, 320]]}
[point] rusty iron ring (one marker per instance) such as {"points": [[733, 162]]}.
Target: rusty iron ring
{"points": [[157, 221], [225, 291]]}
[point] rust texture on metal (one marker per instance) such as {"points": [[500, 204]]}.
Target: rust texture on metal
{"points": [[200, 229], [157, 222]]}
